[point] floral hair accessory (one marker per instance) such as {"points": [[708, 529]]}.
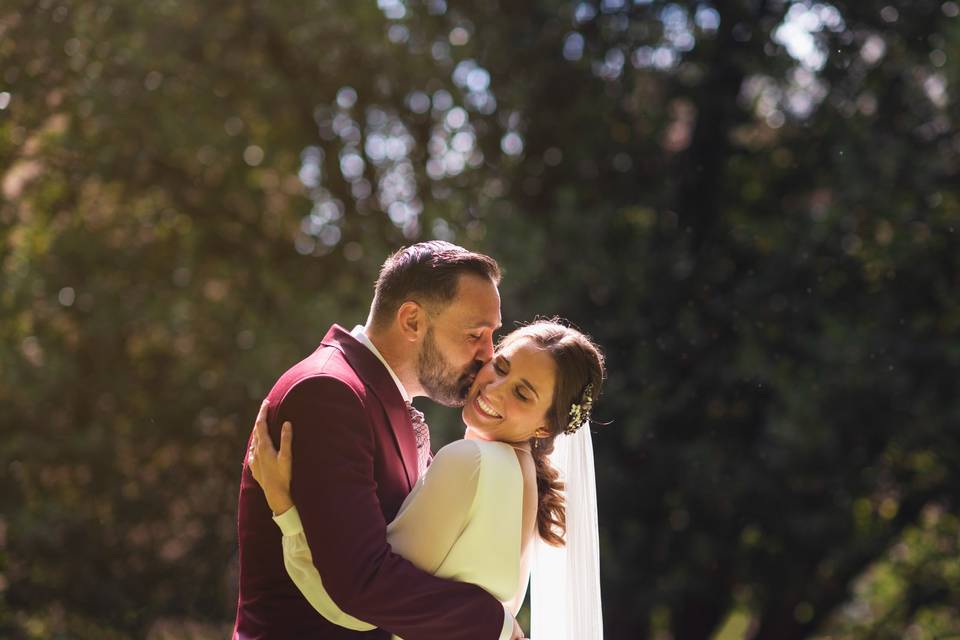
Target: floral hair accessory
{"points": [[580, 411]]}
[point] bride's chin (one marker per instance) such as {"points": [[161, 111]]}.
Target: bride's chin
{"points": [[476, 434], [468, 417]]}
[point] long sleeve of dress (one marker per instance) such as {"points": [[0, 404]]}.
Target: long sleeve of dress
{"points": [[299, 563]]}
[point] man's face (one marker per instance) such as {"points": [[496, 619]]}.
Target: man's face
{"points": [[459, 341]]}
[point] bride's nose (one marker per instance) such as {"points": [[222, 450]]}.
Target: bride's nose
{"points": [[494, 385], [484, 377]]}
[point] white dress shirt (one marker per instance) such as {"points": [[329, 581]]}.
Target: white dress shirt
{"points": [[361, 335]]}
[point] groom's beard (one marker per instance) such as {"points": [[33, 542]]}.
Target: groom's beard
{"points": [[439, 379]]}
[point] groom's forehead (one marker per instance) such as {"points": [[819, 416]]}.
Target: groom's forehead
{"points": [[470, 315], [476, 303]]}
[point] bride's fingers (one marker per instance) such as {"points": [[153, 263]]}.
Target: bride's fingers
{"points": [[286, 440], [259, 426], [253, 461], [262, 414], [264, 445]]}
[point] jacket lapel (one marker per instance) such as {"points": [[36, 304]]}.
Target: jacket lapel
{"points": [[379, 381]]}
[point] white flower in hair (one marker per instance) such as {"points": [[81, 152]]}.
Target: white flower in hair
{"points": [[580, 411]]}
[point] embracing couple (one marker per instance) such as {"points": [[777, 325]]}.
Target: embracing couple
{"points": [[349, 527]]}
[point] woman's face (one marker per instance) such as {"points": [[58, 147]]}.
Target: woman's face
{"points": [[512, 393]]}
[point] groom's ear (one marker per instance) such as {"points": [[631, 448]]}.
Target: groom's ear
{"points": [[412, 319]]}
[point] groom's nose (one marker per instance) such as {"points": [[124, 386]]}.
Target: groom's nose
{"points": [[485, 348]]}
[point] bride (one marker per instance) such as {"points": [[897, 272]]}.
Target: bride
{"points": [[514, 500]]}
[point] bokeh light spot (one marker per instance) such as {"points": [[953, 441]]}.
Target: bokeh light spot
{"points": [[253, 155]]}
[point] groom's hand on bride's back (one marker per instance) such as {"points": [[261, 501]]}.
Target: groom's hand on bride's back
{"points": [[517, 632]]}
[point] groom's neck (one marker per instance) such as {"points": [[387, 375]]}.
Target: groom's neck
{"points": [[398, 354]]}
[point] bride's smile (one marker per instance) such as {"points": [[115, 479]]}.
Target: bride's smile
{"points": [[485, 408]]}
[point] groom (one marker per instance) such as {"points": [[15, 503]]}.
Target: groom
{"points": [[359, 450]]}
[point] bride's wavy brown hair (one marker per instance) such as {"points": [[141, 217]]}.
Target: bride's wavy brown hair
{"points": [[580, 363]]}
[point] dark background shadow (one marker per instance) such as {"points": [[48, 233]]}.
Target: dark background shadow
{"points": [[752, 205]]}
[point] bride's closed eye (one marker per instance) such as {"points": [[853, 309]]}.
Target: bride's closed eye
{"points": [[502, 366]]}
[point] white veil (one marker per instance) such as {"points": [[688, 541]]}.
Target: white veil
{"points": [[565, 581]]}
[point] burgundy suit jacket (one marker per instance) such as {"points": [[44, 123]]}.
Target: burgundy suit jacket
{"points": [[354, 462]]}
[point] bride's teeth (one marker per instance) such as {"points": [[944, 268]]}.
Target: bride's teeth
{"points": [[487, 409]]}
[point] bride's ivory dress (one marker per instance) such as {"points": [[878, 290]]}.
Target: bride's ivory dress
{"points": [[462, 521]]}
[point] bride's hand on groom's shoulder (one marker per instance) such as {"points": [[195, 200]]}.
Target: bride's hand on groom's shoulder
{"points": [[270, 468]]}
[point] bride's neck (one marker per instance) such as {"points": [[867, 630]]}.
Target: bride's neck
{"points": [[470, 434]]}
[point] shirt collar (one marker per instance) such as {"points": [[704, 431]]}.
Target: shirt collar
{"points": [[361, 335]]}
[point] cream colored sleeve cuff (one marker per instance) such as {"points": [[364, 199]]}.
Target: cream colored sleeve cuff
{"points": [[289, 522]]}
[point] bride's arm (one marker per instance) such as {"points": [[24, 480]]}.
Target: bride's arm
{"points": [[272, 470], [430, 519], [429, 523]]}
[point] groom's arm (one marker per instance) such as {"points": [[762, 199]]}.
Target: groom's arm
{"points": [[335, 492]]}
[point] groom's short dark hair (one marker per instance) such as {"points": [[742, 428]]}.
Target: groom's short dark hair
{"points": [[428, 273]]}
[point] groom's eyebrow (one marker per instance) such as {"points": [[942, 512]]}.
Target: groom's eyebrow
{"points": [[484, 323]]}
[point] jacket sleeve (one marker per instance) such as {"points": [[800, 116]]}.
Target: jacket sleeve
{"points": [[334, 489]]}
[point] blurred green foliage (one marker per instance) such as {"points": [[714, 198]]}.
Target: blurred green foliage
{"points": [[751, 204]]}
